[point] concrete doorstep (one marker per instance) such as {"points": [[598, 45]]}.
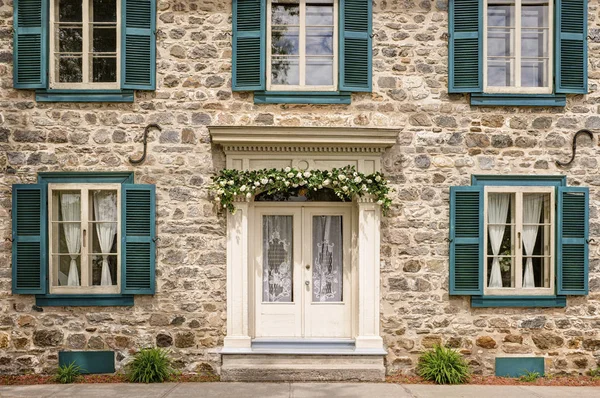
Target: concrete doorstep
{"points": [[293, 390]]}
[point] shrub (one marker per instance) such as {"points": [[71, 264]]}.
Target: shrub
{"points": [[529, 376], [594, 373], [443, 366], [67, 373], [150, 365]]}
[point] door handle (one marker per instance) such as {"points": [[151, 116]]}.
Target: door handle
{"points": [[306, 283]]}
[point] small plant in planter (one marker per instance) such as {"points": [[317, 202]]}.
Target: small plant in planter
{"points": [[443, 365], [66, 374], [150, 365]]}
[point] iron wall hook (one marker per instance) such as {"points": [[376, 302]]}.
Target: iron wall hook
{"points": [[146, 131], [577, 134]]}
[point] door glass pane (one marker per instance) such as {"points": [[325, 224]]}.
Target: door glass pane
{"points": [[327, 249], [103, 236], [277, 259], [500, 246], [500, 43], [536, 240]]}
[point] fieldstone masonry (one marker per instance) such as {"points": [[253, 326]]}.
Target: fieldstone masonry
{"points": [[443, 141]]}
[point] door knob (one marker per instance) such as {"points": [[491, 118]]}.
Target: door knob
{"points": [[307, 266], [306, 283]]}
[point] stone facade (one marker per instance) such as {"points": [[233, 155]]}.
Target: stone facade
{"points": [[443, 141]]}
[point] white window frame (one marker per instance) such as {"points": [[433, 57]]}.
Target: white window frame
{"points": [[86, 50], [302, 52], [518, 192], [517, 89], [87, 234]]}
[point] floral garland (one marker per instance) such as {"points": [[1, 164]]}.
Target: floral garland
{"points": [[345, 182]]}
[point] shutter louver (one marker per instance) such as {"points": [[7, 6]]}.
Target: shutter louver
{"points": [[355, 45], [465, 44], [466, 236], [249, 40], [29, 239], [572, 246], [30, 43], [571, 46], [138, 233], [138, 42]]}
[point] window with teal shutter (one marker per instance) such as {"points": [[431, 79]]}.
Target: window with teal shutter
{"points": [[518, 53], [302, 52], [572, 242], [44, 249], [30, 43], [70, 50]]}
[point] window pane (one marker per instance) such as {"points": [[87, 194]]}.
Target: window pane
{"points": [[534, 43], [319, 71], [285, 71], [501, 13], [319, 14], [104, 270], [319, 41], [535, 13], [285, 12], [328, 265], [70, 39], [500, 247], [70, 10], [104, 10], [104, 69], [285, 41], [104, 39], [501, 43], [103, 236], [536, 240], [534, 73], [69, 69], [501, 72], [67, 270], [278, 259]]}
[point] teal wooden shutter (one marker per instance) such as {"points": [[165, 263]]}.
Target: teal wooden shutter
{"points": [[466, 240], [30, 43], [571, 46], [465, 46], [138, 218], [29, 248], [355, 45], [249, 45], [138, 44], [572, 236]]}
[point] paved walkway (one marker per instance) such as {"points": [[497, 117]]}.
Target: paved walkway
{"points": [[295, 390]]}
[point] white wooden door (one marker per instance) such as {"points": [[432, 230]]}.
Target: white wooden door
{"points": [[303, 271]]}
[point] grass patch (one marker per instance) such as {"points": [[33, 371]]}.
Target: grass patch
{"points": [[150, 365], [443, 366], [67, 374]]}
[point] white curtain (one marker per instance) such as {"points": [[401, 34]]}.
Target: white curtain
{"points": [[277, 258], [105, 210], [328, 258], [532, 209], [498, 204], [70, 205]]}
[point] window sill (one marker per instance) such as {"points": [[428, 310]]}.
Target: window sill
{"points": [[84, 95], [84, 300], [302, 97], [482, 99], [519, 301]]}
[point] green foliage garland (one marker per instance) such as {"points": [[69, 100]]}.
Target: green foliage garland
{"points": [[345, 182]]}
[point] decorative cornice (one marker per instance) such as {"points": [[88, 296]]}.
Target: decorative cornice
{"points": [[303, 139]]}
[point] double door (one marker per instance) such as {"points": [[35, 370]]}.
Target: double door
{"points": [[303, 271]]}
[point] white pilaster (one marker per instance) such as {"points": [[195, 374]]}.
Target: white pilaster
{"points": [[238, 336], [368, 275]]}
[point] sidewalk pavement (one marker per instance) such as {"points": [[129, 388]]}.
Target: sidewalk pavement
{"points": [[295, 390]]}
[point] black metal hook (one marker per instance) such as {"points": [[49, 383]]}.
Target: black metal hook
{"points": [[588, 241], [577, 134], [146, 130], [9, 240]]}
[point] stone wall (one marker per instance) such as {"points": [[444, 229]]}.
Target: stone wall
{"points": [[443, 141]]}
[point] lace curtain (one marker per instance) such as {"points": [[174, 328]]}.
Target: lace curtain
{"points": [[532, 209], [70, 206], [105, 210], [327, 258], [498, 204], [277, 258]]}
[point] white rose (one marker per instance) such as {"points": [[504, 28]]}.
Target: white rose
{"points": [[377, 178], [295, 185], [355, 174], [320, 186], [358, 180], [220, 192], [369, 181], [326, 182], [217, 199], [248, 195], [264, 181], [287, 169], [290, 175], [341, 177], [230, 182], [380, 202], [287, 183], [299, 175], [335, 183], [303, 182], [222, 183], [307, 174], [256, 184], [364, 188], [344, 188], [243, 188]]}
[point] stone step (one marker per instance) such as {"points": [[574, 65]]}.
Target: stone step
{"points": [[308, 367]]}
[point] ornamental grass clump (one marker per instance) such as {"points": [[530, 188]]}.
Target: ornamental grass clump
{"points": [[67, 374], [443, 366], [150, 365]]}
